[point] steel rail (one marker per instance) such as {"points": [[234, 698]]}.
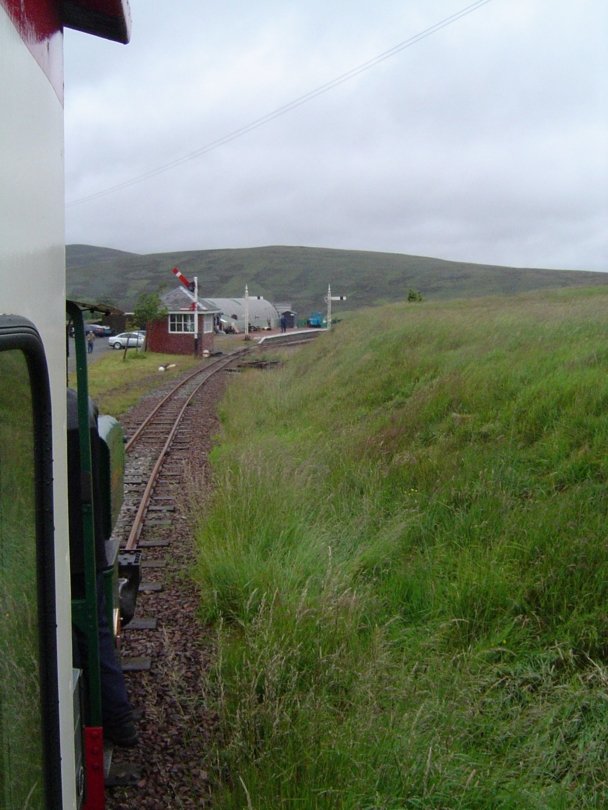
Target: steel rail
{"points": [[138, 521], [211, 367]]}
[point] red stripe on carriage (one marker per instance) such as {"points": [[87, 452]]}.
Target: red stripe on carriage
{"points": [[93, 768], [39, 25]]}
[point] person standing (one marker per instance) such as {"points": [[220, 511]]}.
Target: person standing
{"points": [[90, 341]]}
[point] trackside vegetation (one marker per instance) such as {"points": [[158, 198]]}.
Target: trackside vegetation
{"points": [[116, 382], [405, 560]]}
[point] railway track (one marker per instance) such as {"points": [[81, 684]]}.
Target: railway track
{"points": [[169, 435], [164, 651], [149, 444], [150, 441]]}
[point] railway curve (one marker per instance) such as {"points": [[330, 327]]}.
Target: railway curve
{"points": [[164, 650]]}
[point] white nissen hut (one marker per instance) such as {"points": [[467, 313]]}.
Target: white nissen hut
{"points": [[262, 314]]}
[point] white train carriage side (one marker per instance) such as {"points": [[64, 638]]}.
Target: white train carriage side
{"points": [[37, 749]]}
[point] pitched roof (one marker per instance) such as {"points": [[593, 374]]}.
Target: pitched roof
{"points": [[178, 300]]}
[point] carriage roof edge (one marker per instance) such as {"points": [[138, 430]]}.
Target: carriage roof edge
{"points": [[109, 19]]}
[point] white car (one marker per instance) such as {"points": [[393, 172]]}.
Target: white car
{"points": [[127, 339]]}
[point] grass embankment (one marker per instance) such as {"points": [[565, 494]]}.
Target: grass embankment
{"points": [[407, 565], [116, 384]]}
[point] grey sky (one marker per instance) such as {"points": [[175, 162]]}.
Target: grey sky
{"points": [[486, 141]]}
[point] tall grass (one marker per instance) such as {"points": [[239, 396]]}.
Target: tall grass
{"points": [[406, 563]]}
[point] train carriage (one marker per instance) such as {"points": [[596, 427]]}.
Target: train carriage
{"points": [[37, 698]]}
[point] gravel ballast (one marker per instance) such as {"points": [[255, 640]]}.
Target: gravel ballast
{"points": [[176, 726]]}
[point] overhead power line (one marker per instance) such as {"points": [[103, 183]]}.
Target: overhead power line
{"points": [[285, 108]]}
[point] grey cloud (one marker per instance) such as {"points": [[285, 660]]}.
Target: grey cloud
{"points": [[485, 142]]}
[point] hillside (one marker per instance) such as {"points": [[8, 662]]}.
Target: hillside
{"points": [[406, 566], [300, 275]]}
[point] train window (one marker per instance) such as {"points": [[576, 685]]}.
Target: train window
{"points": [[28, 693]]}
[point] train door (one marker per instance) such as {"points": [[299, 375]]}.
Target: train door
{"points": [[29, 719]]}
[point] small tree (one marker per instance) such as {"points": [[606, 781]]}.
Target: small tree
{"points": [[149, 307], [414, 295]]}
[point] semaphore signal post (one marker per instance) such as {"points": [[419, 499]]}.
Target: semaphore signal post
{"points": [[192, 288], [329, 298]]}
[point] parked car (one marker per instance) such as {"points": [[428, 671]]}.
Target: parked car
{"points": [[98, 330], [127, 339]]}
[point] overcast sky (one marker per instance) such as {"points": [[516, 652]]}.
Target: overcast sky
{"points": [[485, 141]]}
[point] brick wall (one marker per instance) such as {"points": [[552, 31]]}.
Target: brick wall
{"points": [[160, 340]]}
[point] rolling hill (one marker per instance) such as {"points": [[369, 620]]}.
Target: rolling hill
{"points": [[300, 275]]}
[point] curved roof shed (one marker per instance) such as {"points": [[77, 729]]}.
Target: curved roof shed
{"points": [[261, 312], [231, 311]]}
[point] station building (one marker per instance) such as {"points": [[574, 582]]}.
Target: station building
{"points": [[183, 331], [178, 331]]}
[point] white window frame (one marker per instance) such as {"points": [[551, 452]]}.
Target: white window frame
{"points": [[181, 323]]}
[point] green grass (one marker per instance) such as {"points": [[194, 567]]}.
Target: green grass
{"points": [[117, 384], [406, 564]]}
